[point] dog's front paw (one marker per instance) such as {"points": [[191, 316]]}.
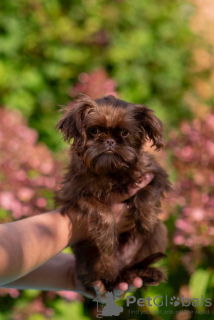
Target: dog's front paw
{"points": [[152, 275]]}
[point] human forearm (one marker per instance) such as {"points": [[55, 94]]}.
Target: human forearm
{"points": [[59, 274], [56, 274], [29, 243]]}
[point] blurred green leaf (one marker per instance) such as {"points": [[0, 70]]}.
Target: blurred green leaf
{"points": [[199, 283], [3, 213], [69, 310], [31, 294], [36, 316]]}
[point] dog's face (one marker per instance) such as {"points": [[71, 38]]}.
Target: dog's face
{"points": [[108, 133]]}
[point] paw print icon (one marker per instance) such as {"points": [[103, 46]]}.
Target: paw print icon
{"points": [[175, 301]]}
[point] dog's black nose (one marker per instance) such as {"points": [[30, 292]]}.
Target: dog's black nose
{"points": [[110, 142]]}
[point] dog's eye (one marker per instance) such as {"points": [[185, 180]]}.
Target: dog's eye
{"points": [[124, 133], [94, 131]]}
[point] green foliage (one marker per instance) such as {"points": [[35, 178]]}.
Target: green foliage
{"points": [[3, 214], [200, 281], [45, 45], [69, 310], [36, 316]]}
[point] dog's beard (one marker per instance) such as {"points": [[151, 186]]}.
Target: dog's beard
{"points": [[99, 161]]}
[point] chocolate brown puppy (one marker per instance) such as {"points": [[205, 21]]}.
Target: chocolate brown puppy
{"points": [[107, 137]]}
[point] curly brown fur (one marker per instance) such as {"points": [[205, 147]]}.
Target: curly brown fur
{"points": [[107, 155]]}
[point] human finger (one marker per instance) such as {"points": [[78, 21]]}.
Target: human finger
{"points": [[136, 283], [124, 222], [143, 181], [120, 290], [100, 291]]}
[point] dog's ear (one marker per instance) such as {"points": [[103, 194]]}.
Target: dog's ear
{"points": [[150, 125], [74, 117]]}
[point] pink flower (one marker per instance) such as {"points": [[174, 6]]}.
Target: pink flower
{"points": [[25, 194], [184, 225], [41, 202], [27, 168], [193, 159], [178, 239], [14, 293], [6, 198], [198, 214], [70, 295]]}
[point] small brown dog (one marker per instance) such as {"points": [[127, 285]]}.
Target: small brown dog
{"points": [[106, 156]]}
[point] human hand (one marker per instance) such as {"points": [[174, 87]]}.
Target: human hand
{"points": [[120, 208], [98, 290], [118, 292]]}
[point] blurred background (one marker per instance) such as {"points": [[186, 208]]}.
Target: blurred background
{"points": [[158, 53]]}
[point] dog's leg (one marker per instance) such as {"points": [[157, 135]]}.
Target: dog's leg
{"points": [[87, 255], [100, 223], [141, 269], [146, 203], [149, 275], [135, 255], [93, 265]]}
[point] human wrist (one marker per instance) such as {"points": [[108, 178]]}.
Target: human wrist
{"points": [[68, 230], [64, 264], [77, 231], [62, 227]]}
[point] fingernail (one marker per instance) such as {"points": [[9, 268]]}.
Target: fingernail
{"points": [[150, 176], [123, 286], [98, 286], [138, 282], [120, 292]]}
